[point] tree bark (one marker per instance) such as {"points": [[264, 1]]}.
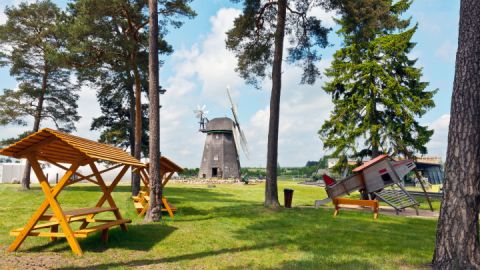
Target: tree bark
{"points": [[36, 127], [135, 177], [155, 210], [457, 243], [271, 189], [138, 120]]}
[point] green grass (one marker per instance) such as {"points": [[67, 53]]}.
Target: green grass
{"points": [[226, 227]]}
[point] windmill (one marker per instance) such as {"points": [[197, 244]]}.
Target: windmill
{"points": [[224, 137], [200, 114]]}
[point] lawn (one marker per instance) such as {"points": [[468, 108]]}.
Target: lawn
{"points": [[224, 227]]}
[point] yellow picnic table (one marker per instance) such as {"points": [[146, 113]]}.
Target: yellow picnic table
{"points": [[70, 152]]}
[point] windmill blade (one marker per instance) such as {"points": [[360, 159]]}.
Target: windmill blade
{"points": [[244, 143], [236, 138], [240, 140], [233, 107], [200, 111]]}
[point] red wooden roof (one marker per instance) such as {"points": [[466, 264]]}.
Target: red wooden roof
{"points": [[370, 163]]}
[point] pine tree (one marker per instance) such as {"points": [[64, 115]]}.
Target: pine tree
{"points": [[35, 51], [457, 243], [155, 208], [257, 39], [111, 37], [376, 89]]}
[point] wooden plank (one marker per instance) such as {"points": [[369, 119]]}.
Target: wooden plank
{"points": [[107, 225], [49, 234], [36, 146], [84, 212]]}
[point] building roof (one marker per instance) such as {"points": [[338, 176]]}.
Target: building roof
{"points": [[219, 124], [370, 163], [56, 146]]}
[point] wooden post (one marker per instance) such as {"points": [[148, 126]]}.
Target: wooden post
{"points": [[417, 173]]}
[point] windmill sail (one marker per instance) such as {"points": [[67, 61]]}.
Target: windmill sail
{"points": [[239, 136]]}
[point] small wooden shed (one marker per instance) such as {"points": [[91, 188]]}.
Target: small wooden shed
{"points": [[70, 152]]}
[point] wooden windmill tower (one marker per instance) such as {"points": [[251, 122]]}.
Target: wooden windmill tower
{"points": [[224, 137]]}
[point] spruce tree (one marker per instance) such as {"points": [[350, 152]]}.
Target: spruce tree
{"points": [[34, 48], [375, 86]]}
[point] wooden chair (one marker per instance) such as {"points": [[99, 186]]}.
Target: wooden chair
{"points": [[59, 148]]}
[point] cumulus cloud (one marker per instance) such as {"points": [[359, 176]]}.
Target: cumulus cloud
{"points": [[438, 144], [202, 72]]}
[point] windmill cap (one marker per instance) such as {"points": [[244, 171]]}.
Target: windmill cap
{"points": [[220, 124]]}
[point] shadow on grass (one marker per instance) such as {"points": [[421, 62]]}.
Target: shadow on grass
{"points": [[140, 237], [352, 241], [189, 256]]}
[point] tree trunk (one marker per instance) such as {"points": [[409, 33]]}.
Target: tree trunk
{"points": [[155, 209], [138, 120], [457, 243], [36, 127], [135, 177], [271, 190]]}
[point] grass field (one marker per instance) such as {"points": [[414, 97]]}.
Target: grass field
{"points": [[224, 227]]}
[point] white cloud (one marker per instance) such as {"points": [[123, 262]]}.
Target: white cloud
{"points": [[10, 3], [447, 51], [327, 17], [438, 144], [303, 108]]}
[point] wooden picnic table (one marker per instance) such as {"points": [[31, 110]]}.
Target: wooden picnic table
{"points": [[62, 149]]}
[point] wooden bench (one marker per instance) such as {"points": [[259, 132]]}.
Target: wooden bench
{"points": [[344, 201], [84, 215]]}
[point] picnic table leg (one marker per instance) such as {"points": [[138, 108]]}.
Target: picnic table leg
{"points": [[46, 203], [53, 229], [335, 202], [106, 194], [105, 235], [375, 210], [57, 210], [167, 206]]}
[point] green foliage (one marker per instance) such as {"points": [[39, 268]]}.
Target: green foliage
{"points": [[375, 87], [9, 141], [109, 47], [34, 48], [189, 172], [252, 39]]}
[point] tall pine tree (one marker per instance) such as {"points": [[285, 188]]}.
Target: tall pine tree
{"points": [[376, 89], [34, 43], [110, 38], [257, 39]]}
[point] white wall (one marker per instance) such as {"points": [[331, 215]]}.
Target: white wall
{"points": [[10, 172]]}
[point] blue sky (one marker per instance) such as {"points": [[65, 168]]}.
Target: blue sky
{"points": [[200, 69]]}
